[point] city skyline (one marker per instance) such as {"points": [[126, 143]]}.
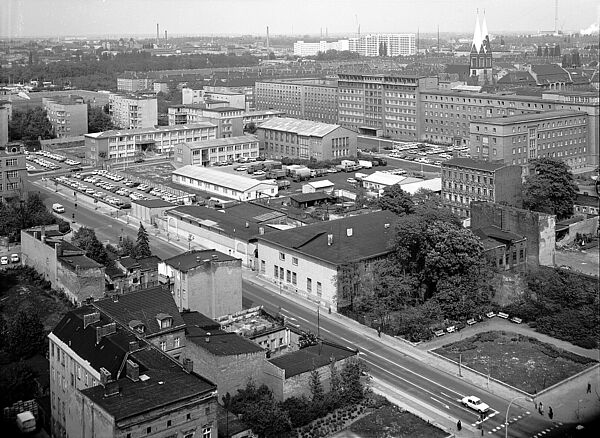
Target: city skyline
{"points": [[32, 18]]}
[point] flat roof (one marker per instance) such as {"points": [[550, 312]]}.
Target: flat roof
{"points": [[221, 343], [229, 141], [310, 358], [232, 181], [299, 126], [384, 178], [153, 203], [470, 163], [193, 259], [136, 131], [530, 117]]}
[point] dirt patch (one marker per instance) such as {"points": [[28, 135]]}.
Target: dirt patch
{"points": [[519, 361]]}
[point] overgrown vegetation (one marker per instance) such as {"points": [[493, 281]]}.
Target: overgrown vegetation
{"points": [[561, 304], [30, 126]]}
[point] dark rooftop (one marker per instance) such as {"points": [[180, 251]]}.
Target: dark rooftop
{"points": [[470, 163], [128, 262], [496, 233], [149, 263], [197, 319], [308, 197], [193, 259], [310, 358], [79, 262], [220, 342], [143, 305], [353, 238], [587, 200]]}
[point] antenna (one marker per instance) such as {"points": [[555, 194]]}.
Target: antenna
{"points": [[555, 16], [438, 38]]}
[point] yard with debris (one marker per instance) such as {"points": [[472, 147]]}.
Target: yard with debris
{"points": [[517, 360]]}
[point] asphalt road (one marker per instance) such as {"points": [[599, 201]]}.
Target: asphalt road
{"points": [[393, 367]]}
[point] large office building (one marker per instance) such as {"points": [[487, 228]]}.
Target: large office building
{"points": [[227, 119], [309, 99], [220, 150], [465, 180], [302, 48], [305, 139], [445, 115], [118, 146], [13, 172], [129, 111], [234, 99], [67, 114], [381, 104], [560, 135]]}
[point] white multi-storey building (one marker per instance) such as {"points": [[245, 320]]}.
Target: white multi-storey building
{"points": [[312, 49], [131, 111]]}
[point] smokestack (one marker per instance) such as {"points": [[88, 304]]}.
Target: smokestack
{"points": [[268, 42], [165, 37], [157, 34]]}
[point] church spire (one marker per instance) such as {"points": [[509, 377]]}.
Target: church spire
{"points": [[485, 38], [477, 38]]}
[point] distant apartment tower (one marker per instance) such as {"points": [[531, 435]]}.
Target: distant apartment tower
{"points": [[133, 85], [381, 104], [128, 111], [13, 172], [233, 98], [67, 114], [384, 44], [309, 99], [312, 49], [465, 180], [560, 135], [305, 139], [120, 146], [5, 110]]}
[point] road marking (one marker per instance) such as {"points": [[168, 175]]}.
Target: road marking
{"points": [[446, 395], [440, 402]]}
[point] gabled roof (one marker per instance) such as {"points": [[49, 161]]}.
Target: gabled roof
{"points": [[236, 182], [384, 178], [354, 238], [309, 197], [321, 184], [298, 126], [128, 262], [143, 305], [311, 358]]}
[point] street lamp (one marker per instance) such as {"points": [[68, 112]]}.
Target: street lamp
{"points": [[506, 417], [190, 238]]}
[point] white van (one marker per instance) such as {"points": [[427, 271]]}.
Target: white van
{"points": [[58, 208]]}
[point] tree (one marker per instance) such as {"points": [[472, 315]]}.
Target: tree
{"points": [[98, 120], [348, 281], [315, 386], [142, 246], [251, 128], [17, 382], [396, 200], [29, 126], [85, 238], [25, 335], [128, 247], [550, 188], [352, 388], [306, 339]]}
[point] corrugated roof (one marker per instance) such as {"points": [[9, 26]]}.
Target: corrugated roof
{"points": [[222, 179], [384, 178], [310, 358], [298, 126], [321, 184], [434, 184]]}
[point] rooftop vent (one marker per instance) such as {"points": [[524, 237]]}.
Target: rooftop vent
{"points": [[349, 232], [214, 257], [329, 239], [111, 388], [207, 339]]}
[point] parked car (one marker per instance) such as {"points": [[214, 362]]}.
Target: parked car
{"points": [[3, 260], [15, 258], [352, 181], [475, 403]]}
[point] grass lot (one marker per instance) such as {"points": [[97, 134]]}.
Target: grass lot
{"points": [[391, 421], [520, 361], [22, 289]]}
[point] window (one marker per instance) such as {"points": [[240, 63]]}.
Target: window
{"points": [[520, 254], [148, 430], [295, 261], [188, 416], [177, 342], [319, 288], [281, 256], [288, 277], [309, 284], [206, 432], [263, 266], [276, 271], [207, 410], [294, 278], [163, 345], [169, 422]]}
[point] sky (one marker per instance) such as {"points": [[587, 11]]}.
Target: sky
{"points": [[51, 18]]}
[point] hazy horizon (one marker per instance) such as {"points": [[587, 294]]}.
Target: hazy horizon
{"points": [[54, 18]]}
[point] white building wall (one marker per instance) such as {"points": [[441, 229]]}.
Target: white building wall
{"points": [[317, 270]]}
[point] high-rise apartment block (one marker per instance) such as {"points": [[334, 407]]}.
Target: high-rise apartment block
{"points": [[129, 111], [395, 44], [465, 180], [309, 99], [13, 172], [560, 135], [133, 85], [67, 114], [381, 104]]}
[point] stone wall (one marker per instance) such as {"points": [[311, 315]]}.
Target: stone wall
{"points": [[38, 255], [79, 284]]}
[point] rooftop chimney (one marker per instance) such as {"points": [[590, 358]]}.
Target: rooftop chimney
{"points": [[188, 364], [132, 370], [90, 318], [207, 339], [349, 232], [329, 239], [43, 230], [133, 345], [111, 388], [116, 298], [104, 376], [57, 248]]}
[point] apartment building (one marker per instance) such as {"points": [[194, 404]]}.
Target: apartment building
{"points": [[233, 99], [302, 48], [13, 172], [381, 104], [118, 146], [445, 115], [221, 150], [560, 135], [130, 111], [384, 44], [5, 114], [465, 180], [246, 90], [309, 99], [133, 85], [305, 139], [228, 120], [107, 380], [67, 114]]}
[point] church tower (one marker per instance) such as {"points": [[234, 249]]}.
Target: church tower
{"points": [[480, 65]]}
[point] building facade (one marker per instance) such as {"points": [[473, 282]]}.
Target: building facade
{"points": [[118, 146], [5, 112], [68, 115], [309, 99], [133, 85], [384, 44], [304, 139], [381, 104], [302, 48], [13, 172], [129, 111], [465, 180], [560, 135], [228, 120], [221, 150]]}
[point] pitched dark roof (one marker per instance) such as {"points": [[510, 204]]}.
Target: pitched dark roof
{"points": [[143, 305], [460, 69], [310, 358], [197, 319], [114, 272], [495, 233], [128, 262], [220, 342], [154, 203], [517, 77], [167, 383], [470, 163], [308, 197], [354, 238], [192, 259], [149, 263], [108, 353]]}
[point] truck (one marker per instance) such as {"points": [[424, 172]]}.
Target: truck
{"points": [[315, 173], [275, 174], [366, 164], [360, 176], [283, 184], [301, 174], [58, 208]]}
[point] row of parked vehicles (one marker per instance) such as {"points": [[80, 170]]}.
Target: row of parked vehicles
{"points": [[93, 191], [14, 258]]}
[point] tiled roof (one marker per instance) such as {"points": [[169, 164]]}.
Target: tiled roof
{"points": [[143, 305], [220, 342], [236, 182], [354, 238], [470, 163], [299, 126], [128, 262], [310, 358], [149, 263], [195, 258]]}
